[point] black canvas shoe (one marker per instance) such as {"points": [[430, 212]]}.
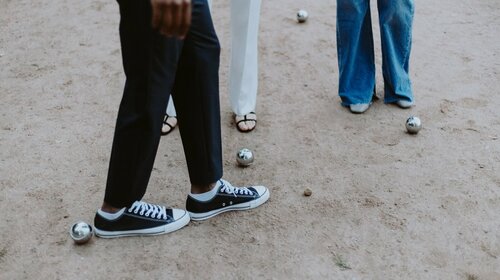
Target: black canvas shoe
{"points": [[140, 219], [227, 198]]}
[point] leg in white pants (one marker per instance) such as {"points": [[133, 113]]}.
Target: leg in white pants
{"points": [[243, 77], [170, 108], [170, 119]]}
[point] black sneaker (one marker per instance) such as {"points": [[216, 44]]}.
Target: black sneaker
{"points": [[227, 198], [141, 219]]}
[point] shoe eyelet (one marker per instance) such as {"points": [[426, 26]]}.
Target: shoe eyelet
{"points": [[223, 204]]}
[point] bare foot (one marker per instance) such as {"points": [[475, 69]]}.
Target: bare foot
{"points": [[169, 123], [246, 123]]}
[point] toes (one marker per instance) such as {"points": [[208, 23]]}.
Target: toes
{"points": [[250, 125], [246, 126], [243, 126], [172, 121], [165, 129], [246, 122], [168, 124]]}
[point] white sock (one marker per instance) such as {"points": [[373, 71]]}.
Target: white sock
{"points": [[110, 216], [206, 195]]}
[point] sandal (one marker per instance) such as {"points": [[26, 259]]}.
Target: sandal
{"points": [[250, 117], [166, 125]]}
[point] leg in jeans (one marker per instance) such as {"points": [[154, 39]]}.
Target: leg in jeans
{"points": [[355, 52], [396, 18]]}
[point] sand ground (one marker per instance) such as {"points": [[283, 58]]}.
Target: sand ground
{"points": [[385, 204]]}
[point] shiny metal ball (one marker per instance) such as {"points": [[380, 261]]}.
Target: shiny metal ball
{"points": [[81, 232], [413, 125], [244, 157], [302, 16]]}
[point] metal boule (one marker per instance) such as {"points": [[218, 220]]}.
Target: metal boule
{"points": [[81, 232], [413, 125], [244, 157]]}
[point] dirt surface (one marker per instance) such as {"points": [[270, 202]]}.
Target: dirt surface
{"points": [[384, 204]]}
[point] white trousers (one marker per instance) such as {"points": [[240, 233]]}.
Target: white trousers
{"points": [[243, 71]]}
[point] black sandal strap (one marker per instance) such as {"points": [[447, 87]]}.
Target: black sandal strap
{"points": [[166, 118], [169, 125], [247, 120]]}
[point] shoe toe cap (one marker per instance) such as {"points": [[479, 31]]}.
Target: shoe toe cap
{"points": [[359, 108], [261, 190], [178, 213], [404, 104]]}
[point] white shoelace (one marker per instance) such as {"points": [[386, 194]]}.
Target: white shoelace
{"points": [[148, 210], [229, 189]]}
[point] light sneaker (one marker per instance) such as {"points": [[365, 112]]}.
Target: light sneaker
{"points": [[359, 108], [140, 219], [226, 198], [404, 104]]}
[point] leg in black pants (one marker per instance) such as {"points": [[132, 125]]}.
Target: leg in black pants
{"points": [[154, 65]]}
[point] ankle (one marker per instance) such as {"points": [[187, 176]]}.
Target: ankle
{"points": [[197, 189], [109, 209]]}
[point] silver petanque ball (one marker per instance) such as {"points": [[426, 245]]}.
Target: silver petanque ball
{"points": [[302, 16], [244, 157], [413, 125], [81, 232]]}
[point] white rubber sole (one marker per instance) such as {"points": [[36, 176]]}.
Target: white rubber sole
{"points": [[180, 223], [238, 207]]}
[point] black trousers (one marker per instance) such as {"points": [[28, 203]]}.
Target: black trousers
{"points": [[156, 66]]}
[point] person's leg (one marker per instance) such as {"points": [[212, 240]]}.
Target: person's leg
{"points": [[243, 77], [149, 61], [170, 119], [396, 19], [171, 108], [196, 97], [355, 52]]}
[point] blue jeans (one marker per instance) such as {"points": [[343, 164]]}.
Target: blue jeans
{"points": [[356, 54]]}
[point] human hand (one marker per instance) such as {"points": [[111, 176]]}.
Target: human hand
{"points": [[171, 17]]}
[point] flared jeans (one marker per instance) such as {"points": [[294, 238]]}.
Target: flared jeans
{"points": [[355, 50]]}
